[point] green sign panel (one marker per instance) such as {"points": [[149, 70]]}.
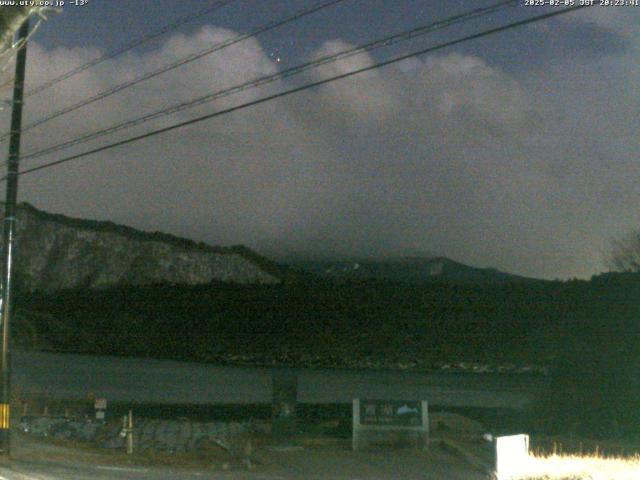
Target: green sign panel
{"points": [[390, 413]]}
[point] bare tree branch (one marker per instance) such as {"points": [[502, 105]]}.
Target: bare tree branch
{"points": [[625, 253]]}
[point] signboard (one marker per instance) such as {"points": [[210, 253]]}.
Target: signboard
{"points": [[100, 404], [380, 412], [387, 419]]}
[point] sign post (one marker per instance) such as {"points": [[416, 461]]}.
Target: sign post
{"points": [[390, 418], [285, 397]]}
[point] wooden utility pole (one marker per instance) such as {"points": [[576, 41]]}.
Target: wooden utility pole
{"points": [[9, 240]]}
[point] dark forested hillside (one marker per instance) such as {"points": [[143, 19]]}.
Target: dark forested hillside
{"points": [[586, 333], [310, 321]]}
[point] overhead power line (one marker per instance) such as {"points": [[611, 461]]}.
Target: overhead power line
{"points": [[268, 98], [129, 46], [183, 61], [264, 80]]}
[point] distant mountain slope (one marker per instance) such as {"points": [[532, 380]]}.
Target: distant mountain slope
{"points": [[56, 252], [405, 269]]}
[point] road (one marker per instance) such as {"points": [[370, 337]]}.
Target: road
{"points": [[312, 464], [72, 377]]}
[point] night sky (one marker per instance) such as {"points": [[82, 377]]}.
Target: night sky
{"points": [[518, 151]]}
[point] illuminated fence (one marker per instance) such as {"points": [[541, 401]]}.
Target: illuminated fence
{"points": [[581, 467], [513, 462]]}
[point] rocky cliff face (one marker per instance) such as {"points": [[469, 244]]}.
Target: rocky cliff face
{"points": [[57, 252]]}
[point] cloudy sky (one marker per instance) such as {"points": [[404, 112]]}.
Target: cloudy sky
{"points": [[517, 151]]}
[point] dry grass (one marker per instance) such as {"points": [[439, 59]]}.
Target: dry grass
{"points": [[581, 467]]}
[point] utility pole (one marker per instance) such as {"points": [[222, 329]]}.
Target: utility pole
{"points": [[9, 240]]}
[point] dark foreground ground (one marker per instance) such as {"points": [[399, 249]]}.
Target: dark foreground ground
{"points": [[313, 459]]}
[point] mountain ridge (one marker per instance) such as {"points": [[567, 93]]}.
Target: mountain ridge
{"points": [[55, 251], [410, 269]]}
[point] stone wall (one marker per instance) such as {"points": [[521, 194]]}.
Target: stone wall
{"points": [[166, 435]]}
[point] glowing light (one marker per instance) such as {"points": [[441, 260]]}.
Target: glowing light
{"points": [[512, 453]]}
